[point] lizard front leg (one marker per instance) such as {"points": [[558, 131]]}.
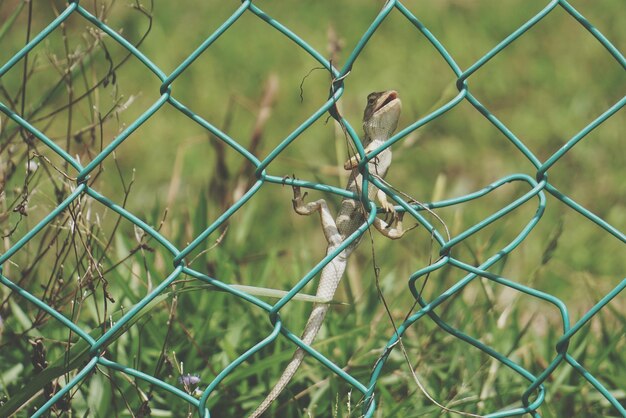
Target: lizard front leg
{"points": [[353, 162]]}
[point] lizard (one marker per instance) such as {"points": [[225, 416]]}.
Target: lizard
{"points": [[380, 120]]}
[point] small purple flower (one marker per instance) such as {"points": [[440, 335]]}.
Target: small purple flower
{"points": [[189, 380]]}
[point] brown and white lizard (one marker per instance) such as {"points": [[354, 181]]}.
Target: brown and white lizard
{"points": [[380, 120]]}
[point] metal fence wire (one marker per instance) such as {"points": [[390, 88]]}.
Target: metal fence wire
{"points": [[538, 189]]}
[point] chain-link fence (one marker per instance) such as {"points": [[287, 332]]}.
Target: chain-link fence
{"points": [[90, 352]]}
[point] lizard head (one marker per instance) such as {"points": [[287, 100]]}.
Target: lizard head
{"points": [[381, 115]]}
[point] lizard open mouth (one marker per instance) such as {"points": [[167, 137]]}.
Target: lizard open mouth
{"points": [[390, 98]]}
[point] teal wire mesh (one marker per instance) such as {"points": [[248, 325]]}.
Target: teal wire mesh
{"points": [[539, 187]]}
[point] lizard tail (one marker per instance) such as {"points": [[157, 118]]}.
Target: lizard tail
{"points": [[310, 331], [290, 370]]}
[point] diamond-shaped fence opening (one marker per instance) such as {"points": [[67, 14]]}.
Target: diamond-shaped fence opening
{"points": [[88, 241]]}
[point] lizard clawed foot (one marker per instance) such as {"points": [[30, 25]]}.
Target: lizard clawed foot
{"points": [[384, 203], [388, 207], [298, 197], [398, 216]]}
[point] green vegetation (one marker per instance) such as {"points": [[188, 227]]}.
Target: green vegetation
{"points": [[92, 266]]}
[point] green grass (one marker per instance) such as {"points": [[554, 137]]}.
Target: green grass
{"points": [[545, 87]]}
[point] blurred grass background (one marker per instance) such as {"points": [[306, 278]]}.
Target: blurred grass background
{"points": [[545, 87]]}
